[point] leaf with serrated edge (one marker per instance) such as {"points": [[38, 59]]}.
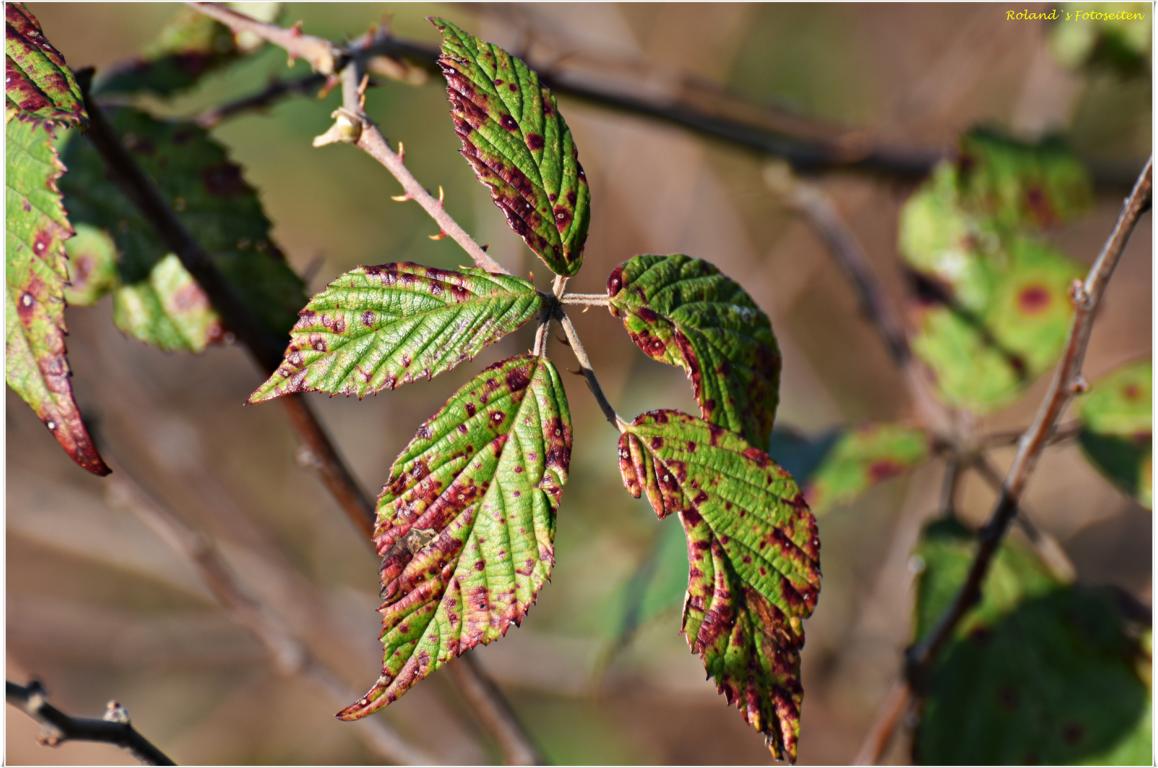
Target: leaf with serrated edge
{"points": [[519, 145], [684, 312], [380, 327], [754, 556], [862, 458], [1116, 428], [466, 522], [36, 365], [38, 83], [155, 299]]}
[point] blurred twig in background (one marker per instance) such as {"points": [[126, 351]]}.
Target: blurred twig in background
{"points": [[115, 728]]}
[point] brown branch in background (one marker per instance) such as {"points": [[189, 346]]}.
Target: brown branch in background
{"points": [[289, 654], [1048, 548], [809, 145], [846, 251], [1067, 381], [265, 348], [489, 703], [115, 728], [889, 717], [276, 90], [1064, 432]]}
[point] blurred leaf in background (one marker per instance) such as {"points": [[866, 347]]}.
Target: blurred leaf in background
{"points": [[1038, 672], [1116, 429]]}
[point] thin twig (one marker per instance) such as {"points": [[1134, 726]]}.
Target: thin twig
{"points": [[273, 92], [1010, 437], [588, 373], [807, 144], [889, 716], [947, 504], [322, 55], [289, 654], [115, 728], [489, 702], [845, 249], [1067, 381], [265, 348], [1048, 548], [587, 299]]}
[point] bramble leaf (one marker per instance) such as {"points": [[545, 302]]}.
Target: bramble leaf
{"points": [[36, 227], [519, 145], [466, 522], [862, 458], [1037, 673], [684, 312], [38, 83], [1117, 427], [754, 557], [1104, 36], [191, 46], [380, 327], [155, 299]]}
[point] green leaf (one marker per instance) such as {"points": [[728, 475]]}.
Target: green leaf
{"points": [[155, 299], [684, 312], [519, 145], [191, 46], [1104, 40], [862, 458], [1038, 672], [754, 554], [38, 83], [1116, 428], [36, 227], [1021, 185], [986, 344], [466, 522], [380, 327]]}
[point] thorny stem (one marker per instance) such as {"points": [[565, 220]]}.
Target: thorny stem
{"points": [[115, 728], [290, 656], [322, 55], [266, 350], [1063, 432], [588, 373], [1067, 381], [274, 91]]}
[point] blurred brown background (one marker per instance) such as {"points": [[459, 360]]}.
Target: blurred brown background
{"points": [[99, 607]]}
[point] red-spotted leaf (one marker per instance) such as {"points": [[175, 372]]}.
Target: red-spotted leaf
{"points": [[519, 145], [466, 522], [191, 46], [154, 298], [1116, 428], [862, 458], [754, 557], [38, 83], [380, 327], [36, 228], [684, 312]]}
